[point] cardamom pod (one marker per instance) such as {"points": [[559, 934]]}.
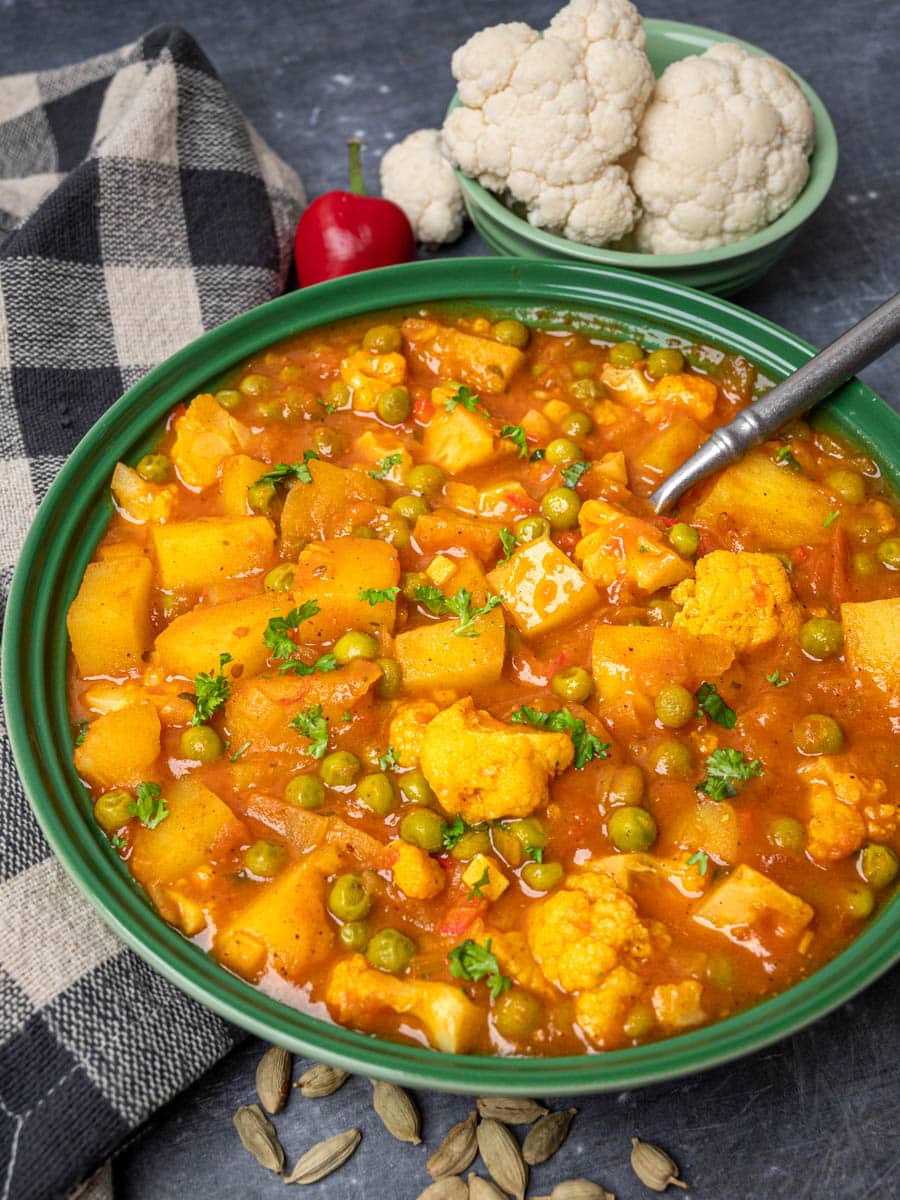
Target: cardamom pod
{"points": [[545, 1138], [577, 1189], [273, 1079], [321, 1080], [484, 1189], [510, 1109], [653, 1167], [323, 1158], [451, 1187], [258, 1135], [501, 1155], [397, 1110], [457, 1151]]}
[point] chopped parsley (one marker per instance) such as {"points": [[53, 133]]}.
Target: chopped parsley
{"points": [[508, 541], [378, 595], [277, 636], [516, 434], [776, 680], [458, 605], [700, 860], [587, 745], [385, 466], [388, 760], [571, 475], [714, 706], [82, 728], [536, 853], [462, 396], [469, 960], [241, 750], [149, 805], [475, 892], [312, 725], [785, 458], [329, 408], [536, 455], [831, 518], [452, 831], [281, 472], [210, 692], [118, 841], [727, 770]]}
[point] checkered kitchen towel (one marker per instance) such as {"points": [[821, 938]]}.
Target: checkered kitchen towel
{"points": [[137, 209]]}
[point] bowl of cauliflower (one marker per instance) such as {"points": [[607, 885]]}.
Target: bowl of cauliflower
{"points": [[650, 145]]}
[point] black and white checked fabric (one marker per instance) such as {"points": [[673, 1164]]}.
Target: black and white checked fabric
{"points": [[137, 210]]}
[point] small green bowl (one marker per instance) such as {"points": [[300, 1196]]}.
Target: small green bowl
{"points": [[724, 270], [612, 304]]}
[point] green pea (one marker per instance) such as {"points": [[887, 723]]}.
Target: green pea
{"points": [[255, 385], [112, 810], [390, 684], [542, 876], [561, 507], [426, 480], [260, 496], [574, 683], [684, 539], [339, 394], [625, 354], [472, 842], [878, 865], [411, 581], [529, 529], [787, 833], [339, 769], [888, 554], [271, 410], [639, 1021], [362, 531], [201, 743], [576, 424], [866, 529], [382, 339], [306, 791], [265, 858], [863, 564], [859, 902], [664, 362], [720, 971], [355, 644], [818, 734], [423, 827], [155, 468], [416, 789], [348, 899], [661, 612], [391, 951], [849, 485], [530, 832], [511, 333], [228, 398], [376, 792], [562, 451], [329, 442], [626, 786], [354, 935], [585, 391], [280, 578], [673, 759], [675, 706], [395, 529], [517, 1014], [821, 637], [410, 507], [631, 828], [394, 405], [582, 369]]}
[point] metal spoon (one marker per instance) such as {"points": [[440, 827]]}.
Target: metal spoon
{"points": [[816, 379]]}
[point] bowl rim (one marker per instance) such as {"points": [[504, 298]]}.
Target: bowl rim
{"points": [[76, 510], [824, 161]]}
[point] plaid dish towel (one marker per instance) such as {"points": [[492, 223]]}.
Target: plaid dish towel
{"points": [[137, 210]]}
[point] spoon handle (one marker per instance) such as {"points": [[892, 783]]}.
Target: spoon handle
{"points": [[873, 336]]}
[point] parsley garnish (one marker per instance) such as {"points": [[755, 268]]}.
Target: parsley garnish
{"points": [[452, 831], [831, 518], [387, 463], [571, 475], [388, 760], [727, 770], [210, 692], [776, 680], [118, 842], [700, 860], [535, 852], [82, 733], [378, 595], [784, 457], [277, 635], [346, 716], [508, 541], [297, 470], [329, 408], [536, 455], [714, 706], [239, 752], [469, 960], [458, 605], [463, 396], [587, 745], [516, 434], [149, 805], [475, 890], [311, 724]]}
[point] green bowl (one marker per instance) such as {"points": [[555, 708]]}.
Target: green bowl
{"points": [[724, 270], [615, 304]]}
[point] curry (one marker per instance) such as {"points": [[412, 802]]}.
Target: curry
{"points": [[395, 696]]}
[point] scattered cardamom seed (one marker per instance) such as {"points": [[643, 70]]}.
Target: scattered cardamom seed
{"points": [[258, 1135], [501, 1155], [653, 1167], [484, 1189], [321, 1080], [577, 1189], [545, 1138], [323, 1158], [273, 1079], [451, 1187], [510, 1109], [457, 1151], [398, 1111]]}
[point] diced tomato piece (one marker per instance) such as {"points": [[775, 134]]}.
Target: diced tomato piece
{"points": [[459, 917]]}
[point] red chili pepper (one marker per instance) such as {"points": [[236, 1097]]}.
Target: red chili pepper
{"points": [[343, 232]]}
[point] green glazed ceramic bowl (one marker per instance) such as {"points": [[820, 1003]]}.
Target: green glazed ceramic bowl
{"points": [[613, 303], [724, 270]]}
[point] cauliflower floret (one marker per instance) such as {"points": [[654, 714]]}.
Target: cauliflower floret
{"points": [[546, 119], [584, 929], [599, 1011], [619, 548], [368, 375], [723, 150], [417, 177], [205, 435], [408, 729], [678, 1005], [415, 872], [844, 809], [484, 770], [512, 953], [139, 501], [744, 598]]}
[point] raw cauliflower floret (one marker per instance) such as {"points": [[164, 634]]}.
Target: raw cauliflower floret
{"points": [[408, 729], [844, 809], [546, 119], [585, 929], [742, 597], [723, 150], [415, 872], [678, 1005], [416, 176], [599, 1011], [483, 769]]}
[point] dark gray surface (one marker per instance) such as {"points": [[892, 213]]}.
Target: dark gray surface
{"points": [[816, 1115]]}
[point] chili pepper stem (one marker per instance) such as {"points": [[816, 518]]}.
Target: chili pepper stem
{"points": [[357, 183]]}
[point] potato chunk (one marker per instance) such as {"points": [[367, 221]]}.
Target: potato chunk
{"points": [[333, 573], [542, 588], [120, 748], [199, 827], [239, 472], [642, 659], [618, 548], [109, 620], [480, 363], [193, 642], [752, 910], [139, 501], [872, 641], [679, 1005], [205, 435], [433, 656], [196, 554], [459, 439], [484, 876], [337, 499], [444, 529]]}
